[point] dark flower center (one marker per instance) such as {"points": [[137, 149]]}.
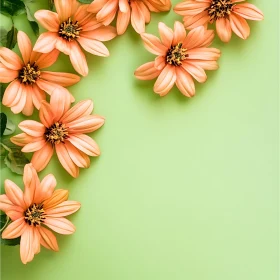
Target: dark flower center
{"points": [[35, 215], [219, 9], [29, 74], [176, 55], [56, 133], [69, 30]]}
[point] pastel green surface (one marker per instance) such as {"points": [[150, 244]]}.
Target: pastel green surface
{"points": [[184, 188]]}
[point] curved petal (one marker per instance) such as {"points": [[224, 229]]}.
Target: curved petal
{"points": [[85, 144], [165, 80], [49, 20], [24, 45], [123, 20], [147, 71], [198, 37], [56, 198], [160, 62], [46, 189], [184, 82], [179, 33], [48, 239], [64, 9], [21, 139], [248, 11], [15, 229], [14, 193], [38, 96], [153, 44], [46, 42], [7, 75], [66, 161], [63, 45], [18, 107], [63, 209], [239, 26], [11, 210], [10, 59], [223, 29], [96, 6], [191, 8], [103, 33], [78, 59], [41, 158], [12, 93], [32, 128], [86, 124], [79, 158], [45, 60], [60, 225], [93, 46], [34, 146], [196, 71], [60, 78], [107, 12], [28, 107], [204, 54], [27, 245], [166, 34], [200, 19], [137, 18], [46, 115]]}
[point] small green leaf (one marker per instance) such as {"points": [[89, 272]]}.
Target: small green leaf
{"points": [[2, 90], [12, 7], [15, 159], [3, 123], [3, 37], [51, 4], [12, 38], [85, 1], [4, 221], [10, 128], [35, 27]]}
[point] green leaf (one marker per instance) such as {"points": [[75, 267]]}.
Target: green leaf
{"points": [[85, 1], [12, 7], [51, 4], [2, 90], [3, 224], [12, 38], [15, 159], [3, 37], [3, 123], [35, 27]]}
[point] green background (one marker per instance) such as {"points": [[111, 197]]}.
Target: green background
{"points": [[184, 188]]}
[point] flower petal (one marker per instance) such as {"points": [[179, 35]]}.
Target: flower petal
{"points": [[48, 239], [239, 26], [14, 193], [63, 45], [153, 44], [56, 198], [166, 34], [28, 107], [79, 158], [223, 29], [12, 93], [27, 245], [147, 71], [137, 18], [86, 124], [165, 80], [179, 33], [49, 20], [123, 20], [60, 225], [18, 107], [41, 158], [25, 46], [15, 229], [184, 82], [38, 96], [103, 33], [32, 128], [200, 19], [78, 59], [34, 145], [45, 60], [66, 161], [198, 37], [64, 9], [46, 189], [11, 210], [46, 115], [46, 42], [196, 71], [7, 75], [63, 209], [21, 139], [60, 78], [10, 59], [85, 144], [248, 11], [93, 46]]}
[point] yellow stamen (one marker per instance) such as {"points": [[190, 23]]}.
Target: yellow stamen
{"points": [[35, 215], [69, 30], [219, 9], [29, 73], [176, 55], [56, 133]]}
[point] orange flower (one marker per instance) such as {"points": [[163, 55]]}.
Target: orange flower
{"points": [[71, 27], [38, 206], [179, 58], [228, 15], [136, 10], [28, 82], [61, 129]]}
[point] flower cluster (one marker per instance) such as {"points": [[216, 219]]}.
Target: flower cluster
{"points": [[181, 58]]}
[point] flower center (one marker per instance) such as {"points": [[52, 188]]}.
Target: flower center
{"points": [[29, 74], [56, 133], [176, 55], [35, 215], [69, 30], [219, 9]]}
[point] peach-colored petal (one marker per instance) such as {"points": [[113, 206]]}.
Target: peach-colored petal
{"points": [[15, 229], [36, 242], [45, 60], [191, 8], [165, 80], [93, 46], [31, 183], [153, 44], [11, 210], [66, 161], [91, 24], [85, 143], [145, 11], [46, 42], [200, 19], [18, 107], [56, 198], [49, 20], [147, 71], [196, 71], [24, 45], [14, 193], [109, 9], [124, 6], [83, 108], [63, 209], [160, 62], [206, 64], [46, 189], [96, 5], [32, 128], [21, 139], [60, 78], [198, 37], [63, 46], [60, 225], [5, 202], [47, 86], [10, 59], [78, 59], [86, 124], [103, 33], [79, 158], [179, 33], [34, 146], [223, 29], [38, 96], [64, 9], [41, 158], [204, 54], [184, 82], [166, 34], [123, 20], [7, 75], [27, 245], [239, 26], [48, 239], [28, 107], [12, 93], [248, 11], [46, 115], [137, 18]]}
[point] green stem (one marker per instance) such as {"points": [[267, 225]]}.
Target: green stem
{"points": [[7, 221]]}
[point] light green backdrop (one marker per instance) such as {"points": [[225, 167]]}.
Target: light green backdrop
{"points": [[185, 189]]}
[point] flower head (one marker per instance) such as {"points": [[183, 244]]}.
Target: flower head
{"points": [[28, 82], [229, 16], [136, 11], [180, 58], [31, 211], [71, 28], [61, 129]]}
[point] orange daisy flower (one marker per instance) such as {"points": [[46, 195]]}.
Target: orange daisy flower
{"points": [[30, 211], [61, 129], [229, 16], [180, 58], [136, 11], [28, 82], [71, 28]]}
